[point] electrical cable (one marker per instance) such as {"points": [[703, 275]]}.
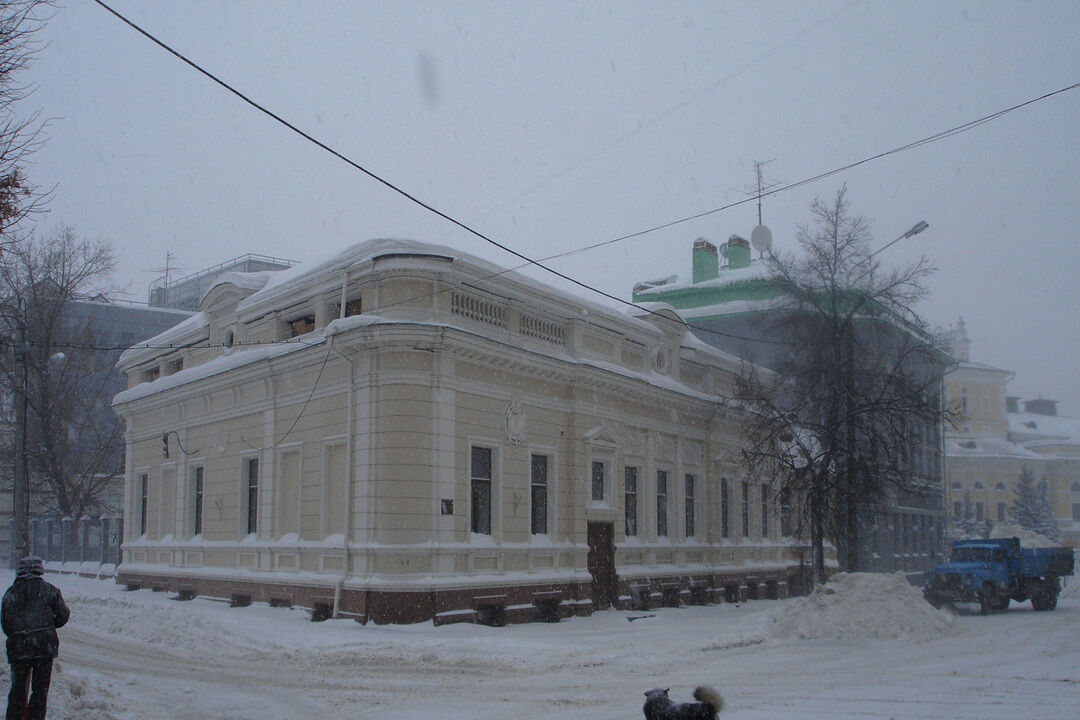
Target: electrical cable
{"points": [[527, 260], [539, 263]]}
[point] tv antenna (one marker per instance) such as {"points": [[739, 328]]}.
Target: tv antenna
{"points": [[168, 268], [761, 185], [761, 237]]}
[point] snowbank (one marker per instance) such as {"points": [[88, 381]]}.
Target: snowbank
{"points": [[1028, 538], [863, 605], [73, 695]]}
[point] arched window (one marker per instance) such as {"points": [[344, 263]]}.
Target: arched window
{"points": [[1000, 486], [1075, 487], [955, 485], [978, 485]]}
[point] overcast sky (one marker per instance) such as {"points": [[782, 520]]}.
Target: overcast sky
{"points": [[550, 126]]}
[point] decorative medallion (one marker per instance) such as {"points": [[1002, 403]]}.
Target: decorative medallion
{"points": [[665, 447], [514, 417], [692, 452], [635, 442]]}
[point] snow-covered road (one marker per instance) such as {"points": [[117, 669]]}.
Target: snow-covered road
{"points": [[144, 656]]}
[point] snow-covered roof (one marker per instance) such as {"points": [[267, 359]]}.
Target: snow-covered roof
{"points": [[281, 284], [981, 366], [1032, 429], [987, 447], [272, 290], [756, 270], [243, 280]]}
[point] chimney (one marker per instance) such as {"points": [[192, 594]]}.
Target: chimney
{"points": [[961, 343], [738, 254], [706, 261]]}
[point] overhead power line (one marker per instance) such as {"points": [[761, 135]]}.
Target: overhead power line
{"points": [[821, 176], [369, 173], [539, 263]]}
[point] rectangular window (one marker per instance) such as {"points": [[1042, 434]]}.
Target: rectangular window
{"points": [[746, 509], [1076, 512], [630, 487], [786, 520], [764, 511], [480, 472], [957, 510], [725, 502], [353, 307], [539, 474], [1001, 512], [144, 496], [979, 511], [690, 506], [597, 480], [197, 498], [252, 487], [661, 503]]}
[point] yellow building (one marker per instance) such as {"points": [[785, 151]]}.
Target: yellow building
{"points": [[994, 439], [407, 433]]}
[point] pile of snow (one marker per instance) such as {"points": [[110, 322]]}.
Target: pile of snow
{"points": [[72, 695], [1028, 538], [863, 605]]}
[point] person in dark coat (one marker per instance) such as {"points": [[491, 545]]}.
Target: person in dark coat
{"points": [[32, 610]]}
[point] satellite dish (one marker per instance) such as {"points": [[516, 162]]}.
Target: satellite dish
{"points": [[761, 239]]}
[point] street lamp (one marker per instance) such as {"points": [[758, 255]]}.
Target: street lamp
{"points": [[915, 230], [20, 521]]}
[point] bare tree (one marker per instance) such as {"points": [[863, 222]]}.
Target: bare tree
{"points": [[20, 135], [855, 405], [74, 442]]}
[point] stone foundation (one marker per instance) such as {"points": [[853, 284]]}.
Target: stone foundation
{"points": [[495, 605]]}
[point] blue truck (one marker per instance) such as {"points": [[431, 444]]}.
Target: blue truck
{"points": [[992, 572]]}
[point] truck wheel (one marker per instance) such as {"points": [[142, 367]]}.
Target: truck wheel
{"points": [[1044, 599]]}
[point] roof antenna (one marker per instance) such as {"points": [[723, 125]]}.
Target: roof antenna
{"points": [[761, 236]]}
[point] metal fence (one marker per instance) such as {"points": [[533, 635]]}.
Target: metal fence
{"points": [[82, 540]]}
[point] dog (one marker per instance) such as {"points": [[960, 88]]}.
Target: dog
{"points": [[658, 706]]}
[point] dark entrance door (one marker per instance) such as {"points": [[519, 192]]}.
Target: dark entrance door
{"points": [[602, 564]]}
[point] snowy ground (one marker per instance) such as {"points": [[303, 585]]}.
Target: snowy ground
{"points": [[866, 648]]}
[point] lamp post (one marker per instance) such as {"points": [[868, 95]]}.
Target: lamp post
{"points": [[915, 230], [20, 521]]}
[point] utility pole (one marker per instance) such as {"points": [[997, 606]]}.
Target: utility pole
{"points": [[20, 524]]}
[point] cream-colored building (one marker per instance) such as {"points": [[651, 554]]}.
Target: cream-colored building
{"points": [[994, 439], [405, 433]]}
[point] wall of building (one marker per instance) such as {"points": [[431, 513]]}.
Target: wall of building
{"points": [[364, 440]]}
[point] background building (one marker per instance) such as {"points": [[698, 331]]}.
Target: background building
{"points": [[106, 327], [730, 305], [186, 292], [997, 437]]}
